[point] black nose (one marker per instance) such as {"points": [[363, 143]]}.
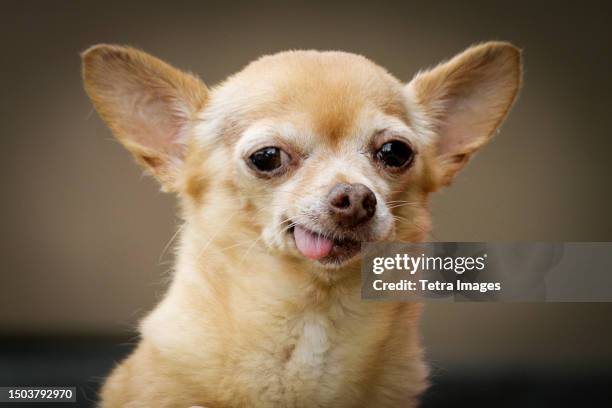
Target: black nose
{"points": [[351, 204]]}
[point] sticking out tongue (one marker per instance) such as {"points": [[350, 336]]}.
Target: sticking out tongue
{"points": [[310, 244]]}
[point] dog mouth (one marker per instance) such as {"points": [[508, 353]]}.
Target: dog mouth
{"points": [[323, 248]]}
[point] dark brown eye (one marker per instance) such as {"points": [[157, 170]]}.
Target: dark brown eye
{"points": [[395, 154], [268, 159]]}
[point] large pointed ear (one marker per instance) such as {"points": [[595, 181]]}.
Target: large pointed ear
{"points": [[465, 100], [149, 105]]}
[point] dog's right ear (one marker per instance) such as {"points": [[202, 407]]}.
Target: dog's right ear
{"points": [[149, 105]]}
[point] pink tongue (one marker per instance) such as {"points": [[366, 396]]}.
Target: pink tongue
{"points": [[311, 245]]}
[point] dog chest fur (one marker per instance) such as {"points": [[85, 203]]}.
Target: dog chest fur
{"points": [[283, 351]]}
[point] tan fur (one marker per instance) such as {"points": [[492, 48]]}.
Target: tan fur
{"points": [[118, 80], [487, 73], [247, 321]]}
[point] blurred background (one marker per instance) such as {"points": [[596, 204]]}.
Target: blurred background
{"points": [[83, 232]]}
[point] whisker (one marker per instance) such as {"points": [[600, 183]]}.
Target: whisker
{"points": [[403, 205], [416, 225], [176, 233], [217, 232]]}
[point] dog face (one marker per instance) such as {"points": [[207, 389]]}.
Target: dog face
{"points": [[315, 152], [323, 141]]}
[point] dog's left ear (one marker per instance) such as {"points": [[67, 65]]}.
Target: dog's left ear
{"points": [[149, 105], [465, 101]]}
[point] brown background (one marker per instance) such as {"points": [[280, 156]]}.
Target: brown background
{"points": [[83, 231]]}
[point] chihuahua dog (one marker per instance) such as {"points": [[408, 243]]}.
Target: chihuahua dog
{"points": [[281, 172]]}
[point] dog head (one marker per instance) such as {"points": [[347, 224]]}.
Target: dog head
{"points": [[305, 153]]}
